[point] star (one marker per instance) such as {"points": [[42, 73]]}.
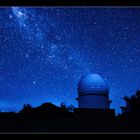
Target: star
{"points": [[18, 13], [10, 16]]}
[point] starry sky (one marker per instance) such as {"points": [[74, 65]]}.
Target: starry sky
{"points": [[44, 51]]}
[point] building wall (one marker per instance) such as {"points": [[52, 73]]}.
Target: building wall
{"points": [[94, 101]]}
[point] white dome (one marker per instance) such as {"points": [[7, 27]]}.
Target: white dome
{"points": [[92, 84]]}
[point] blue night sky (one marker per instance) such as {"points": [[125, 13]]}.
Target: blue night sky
{"points": [[45, 51]]}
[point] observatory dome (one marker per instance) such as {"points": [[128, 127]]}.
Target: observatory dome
{"points": [[92, 84]]}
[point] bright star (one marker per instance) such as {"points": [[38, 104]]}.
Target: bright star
{"points": [[10, 16], [18, 13]]}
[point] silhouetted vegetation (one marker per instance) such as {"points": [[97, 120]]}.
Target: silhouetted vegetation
{"points": [[51, 118], [132, 108], [27, 109]]}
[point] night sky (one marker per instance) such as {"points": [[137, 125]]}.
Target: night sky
{"points": [[45, 51]]}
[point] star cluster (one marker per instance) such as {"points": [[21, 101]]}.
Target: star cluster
{"points": [[44, 52]]}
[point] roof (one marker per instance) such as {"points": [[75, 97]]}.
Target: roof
{"points": [[91, 84]]}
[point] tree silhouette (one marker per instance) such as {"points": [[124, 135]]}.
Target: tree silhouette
{"points": [[70, 108], [132, 105], [63, 105], [27, 108]]}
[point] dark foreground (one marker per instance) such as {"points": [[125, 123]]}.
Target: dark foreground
{"points": [[49, 118]]}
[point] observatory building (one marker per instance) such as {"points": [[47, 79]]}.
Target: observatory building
{"points": [[93, 92]]}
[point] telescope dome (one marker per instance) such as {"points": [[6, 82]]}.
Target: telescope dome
{"points": [[92, 84]]}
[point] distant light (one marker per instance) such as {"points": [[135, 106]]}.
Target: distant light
{"points": [[34, 82]]}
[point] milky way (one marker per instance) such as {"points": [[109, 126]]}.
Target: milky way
{"points": [[45, 51]]}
